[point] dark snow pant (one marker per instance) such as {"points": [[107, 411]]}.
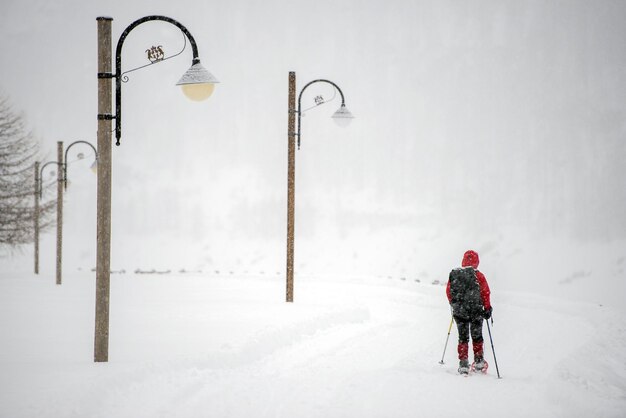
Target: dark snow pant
{"points": [[473, 327]]}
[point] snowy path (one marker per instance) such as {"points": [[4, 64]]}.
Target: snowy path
{"points": [[185, 346]]}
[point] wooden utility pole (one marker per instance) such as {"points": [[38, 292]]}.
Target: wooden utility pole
{"points": [[291, 182], [36, 217], [59, 211], [103, 244]]}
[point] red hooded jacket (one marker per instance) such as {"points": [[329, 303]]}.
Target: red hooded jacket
{"points": [[470, 259]]}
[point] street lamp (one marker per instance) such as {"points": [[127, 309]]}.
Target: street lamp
{"points": [[94, 166], [59, 163], [342, 117], [36, 217], [41, 170], [197, 83]]}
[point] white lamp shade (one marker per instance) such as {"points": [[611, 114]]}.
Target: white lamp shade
{"points": [[342, 116], [197, 83], [94, 167]]}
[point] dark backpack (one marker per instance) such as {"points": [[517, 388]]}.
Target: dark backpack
{"points": [[465, 293]]}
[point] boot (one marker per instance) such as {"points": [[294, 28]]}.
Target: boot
{"points": [[480, 364], [463, 367]]}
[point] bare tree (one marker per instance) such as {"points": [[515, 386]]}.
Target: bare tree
{"points": [[18, 154]]}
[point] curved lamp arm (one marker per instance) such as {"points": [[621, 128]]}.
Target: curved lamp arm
{"points": [[118, 66], [65, 159], [343, 102], [41, 174]]}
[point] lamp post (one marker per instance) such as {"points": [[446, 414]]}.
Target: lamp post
{"points": [[62, 184], [36, 217], [59, 163], [197, 84], [342, 117], [59, 213]]}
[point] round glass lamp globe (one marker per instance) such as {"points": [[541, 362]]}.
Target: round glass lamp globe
{"points": [[342, 116], [198, 92], [342, 122]]}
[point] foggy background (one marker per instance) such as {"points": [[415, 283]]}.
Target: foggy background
{"points": [[493, 125]]}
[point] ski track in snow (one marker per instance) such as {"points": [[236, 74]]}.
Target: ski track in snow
{"points": [[343, 349]]}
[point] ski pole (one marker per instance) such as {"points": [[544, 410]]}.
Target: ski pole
{"points": [[493, 350], [447, 338]]}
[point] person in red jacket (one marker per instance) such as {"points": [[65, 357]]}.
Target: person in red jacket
{"points": [[470, 301]]}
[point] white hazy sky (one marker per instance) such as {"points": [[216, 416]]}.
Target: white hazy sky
{"points": [[475, 120]]}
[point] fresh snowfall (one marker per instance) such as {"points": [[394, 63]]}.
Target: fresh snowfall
{"points": [[497, 126], [226, 344]]}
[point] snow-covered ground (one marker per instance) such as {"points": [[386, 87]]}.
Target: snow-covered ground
{"points": [[208, 345], [496, 125]]}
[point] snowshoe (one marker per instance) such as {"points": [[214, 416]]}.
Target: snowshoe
{"points": [[479, 366], [464, 367]]}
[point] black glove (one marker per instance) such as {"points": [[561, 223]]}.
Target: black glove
{"points": [[487, 313]]}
